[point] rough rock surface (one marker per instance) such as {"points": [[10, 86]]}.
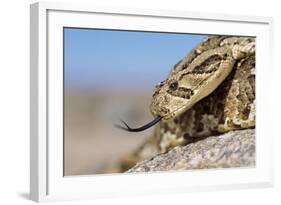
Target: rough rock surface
{"points": [[232, 149]]}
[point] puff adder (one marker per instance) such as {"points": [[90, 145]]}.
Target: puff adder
{"points": [[210, 91]]}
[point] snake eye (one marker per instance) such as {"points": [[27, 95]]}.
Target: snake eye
{"points": [[173, 85]]}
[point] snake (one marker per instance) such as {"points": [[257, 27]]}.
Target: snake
{"points": [[209, 91]]}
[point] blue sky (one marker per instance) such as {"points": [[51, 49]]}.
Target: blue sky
{"points": [[96, 59]]}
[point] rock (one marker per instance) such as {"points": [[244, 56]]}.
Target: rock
{"points": [[232, 149]]}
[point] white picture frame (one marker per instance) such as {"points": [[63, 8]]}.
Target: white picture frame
{"points": [[47, 182]]}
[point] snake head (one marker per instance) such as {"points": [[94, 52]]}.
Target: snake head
{"points": [[190, 83]]}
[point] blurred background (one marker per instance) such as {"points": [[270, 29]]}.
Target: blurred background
{"points": [[108, 75]]}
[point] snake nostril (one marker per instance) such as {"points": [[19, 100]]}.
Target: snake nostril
{"points": [[164, 111]]}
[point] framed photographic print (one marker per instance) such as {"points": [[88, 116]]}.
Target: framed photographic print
{"points": [[127, 102]]}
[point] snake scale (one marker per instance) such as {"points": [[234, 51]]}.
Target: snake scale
{"points": [[210, 91]]}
